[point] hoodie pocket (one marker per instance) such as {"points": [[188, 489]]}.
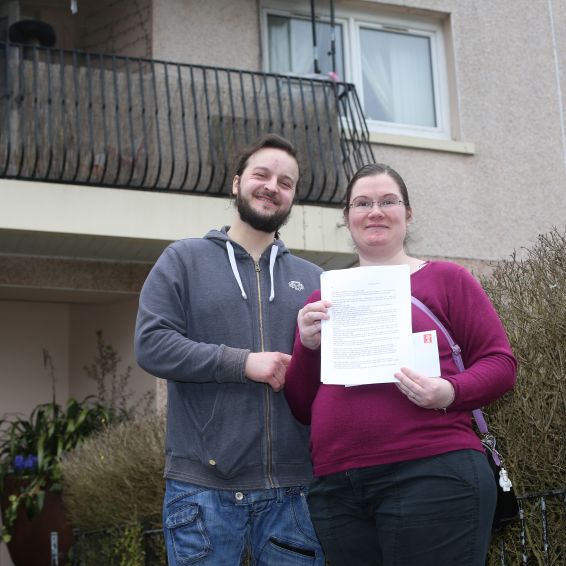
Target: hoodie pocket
{"points": [[233, 438]]}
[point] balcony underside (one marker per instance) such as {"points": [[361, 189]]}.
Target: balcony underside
{"points": [[88, 244]]}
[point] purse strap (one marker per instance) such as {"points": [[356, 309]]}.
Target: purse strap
{"points": [[457, 357]]}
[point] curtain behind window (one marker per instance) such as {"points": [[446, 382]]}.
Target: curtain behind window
{"points": [[397, 77]]}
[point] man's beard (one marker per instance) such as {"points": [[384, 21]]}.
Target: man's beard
{"points": [[264, 223]]}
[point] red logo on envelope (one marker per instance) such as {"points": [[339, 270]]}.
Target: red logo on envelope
{"points": [[427, 338]]}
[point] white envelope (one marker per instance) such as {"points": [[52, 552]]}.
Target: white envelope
{"points": [[425, 353]]}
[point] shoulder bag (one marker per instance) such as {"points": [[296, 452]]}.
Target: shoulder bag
{"points": [[507, 508]]}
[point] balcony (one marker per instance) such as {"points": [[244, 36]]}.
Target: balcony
{"points": [[104, 120]]}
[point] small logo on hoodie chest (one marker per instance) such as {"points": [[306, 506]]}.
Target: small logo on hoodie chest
{"points": [[297, 285]]}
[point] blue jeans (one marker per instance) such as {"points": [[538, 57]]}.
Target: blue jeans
{"points": [[206, 526], [427, 512]]}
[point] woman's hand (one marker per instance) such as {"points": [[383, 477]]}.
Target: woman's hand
{"points": [[309, 322], [426, 392]]}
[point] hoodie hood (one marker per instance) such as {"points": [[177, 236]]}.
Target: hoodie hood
{"points": [[233, 250]]}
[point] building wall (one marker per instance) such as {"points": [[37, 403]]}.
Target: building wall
{"points": [[25, 330], [68, 333], [116, 321], [506, 61], [492, 188], [220, 33]]}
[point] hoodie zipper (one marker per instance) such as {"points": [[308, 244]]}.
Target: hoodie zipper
{"points": [[266, 388]]}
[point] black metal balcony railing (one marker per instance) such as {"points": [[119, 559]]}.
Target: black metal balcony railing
{"points": [[82, 118]]}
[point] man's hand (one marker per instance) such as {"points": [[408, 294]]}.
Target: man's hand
{"points": [[268, 367]]}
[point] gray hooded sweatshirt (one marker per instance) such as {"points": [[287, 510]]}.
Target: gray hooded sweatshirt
{"points": [[205, 305]]}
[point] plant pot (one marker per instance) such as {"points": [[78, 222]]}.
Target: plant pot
{"points": [[31, 539]]}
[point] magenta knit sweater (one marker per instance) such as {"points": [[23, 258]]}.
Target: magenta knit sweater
{"points": [[368, 425]]}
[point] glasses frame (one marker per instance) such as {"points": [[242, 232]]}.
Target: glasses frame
{"points": [[384, 205]]}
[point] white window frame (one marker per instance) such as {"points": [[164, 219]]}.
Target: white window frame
{"points": [[354, 19]]}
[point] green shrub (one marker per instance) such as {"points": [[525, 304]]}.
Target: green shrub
{"points": [[127, 546], [530, 423], [115, 478]]}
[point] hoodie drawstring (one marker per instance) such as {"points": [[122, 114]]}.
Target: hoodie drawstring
{"points": [[272, 258], [236, 273]]}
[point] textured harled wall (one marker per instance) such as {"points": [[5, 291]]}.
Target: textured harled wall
{"points": [[222, 33]]}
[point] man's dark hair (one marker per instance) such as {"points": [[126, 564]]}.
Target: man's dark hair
{"points": [[267, 141]]}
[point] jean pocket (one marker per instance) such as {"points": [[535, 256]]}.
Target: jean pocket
{"points": [[187, 535], [287, 553]]}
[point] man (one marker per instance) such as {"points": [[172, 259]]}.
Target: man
{"points": [[217, 319]]}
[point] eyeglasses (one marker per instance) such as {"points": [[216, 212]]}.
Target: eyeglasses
{"points": [[365, 205]]}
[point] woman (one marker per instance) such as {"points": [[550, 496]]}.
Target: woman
{"points": [[400, 475]]}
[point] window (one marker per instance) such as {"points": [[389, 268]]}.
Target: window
{"points": [[291, 47], [397, 64]]}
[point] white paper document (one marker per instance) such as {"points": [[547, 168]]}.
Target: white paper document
{"points": [[369, 336]]}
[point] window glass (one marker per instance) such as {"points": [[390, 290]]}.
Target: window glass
{"points": [[397, 77], [290, 46]]}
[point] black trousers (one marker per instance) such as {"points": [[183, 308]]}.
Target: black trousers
{"points": [[434, 511]]}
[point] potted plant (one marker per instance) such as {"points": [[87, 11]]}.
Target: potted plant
{"points": [[30, 455], [32, 449]]}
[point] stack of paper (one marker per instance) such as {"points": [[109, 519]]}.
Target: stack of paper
{"points": [[369, 335]]}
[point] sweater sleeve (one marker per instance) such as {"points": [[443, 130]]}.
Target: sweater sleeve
{"points": [[161, 343], [486, 352], [302, 379]]}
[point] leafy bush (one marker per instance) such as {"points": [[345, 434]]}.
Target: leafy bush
{"points": [[529, 294]]}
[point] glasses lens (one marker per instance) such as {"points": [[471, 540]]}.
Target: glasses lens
{"points": [[362, 204], [388, 203]]}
